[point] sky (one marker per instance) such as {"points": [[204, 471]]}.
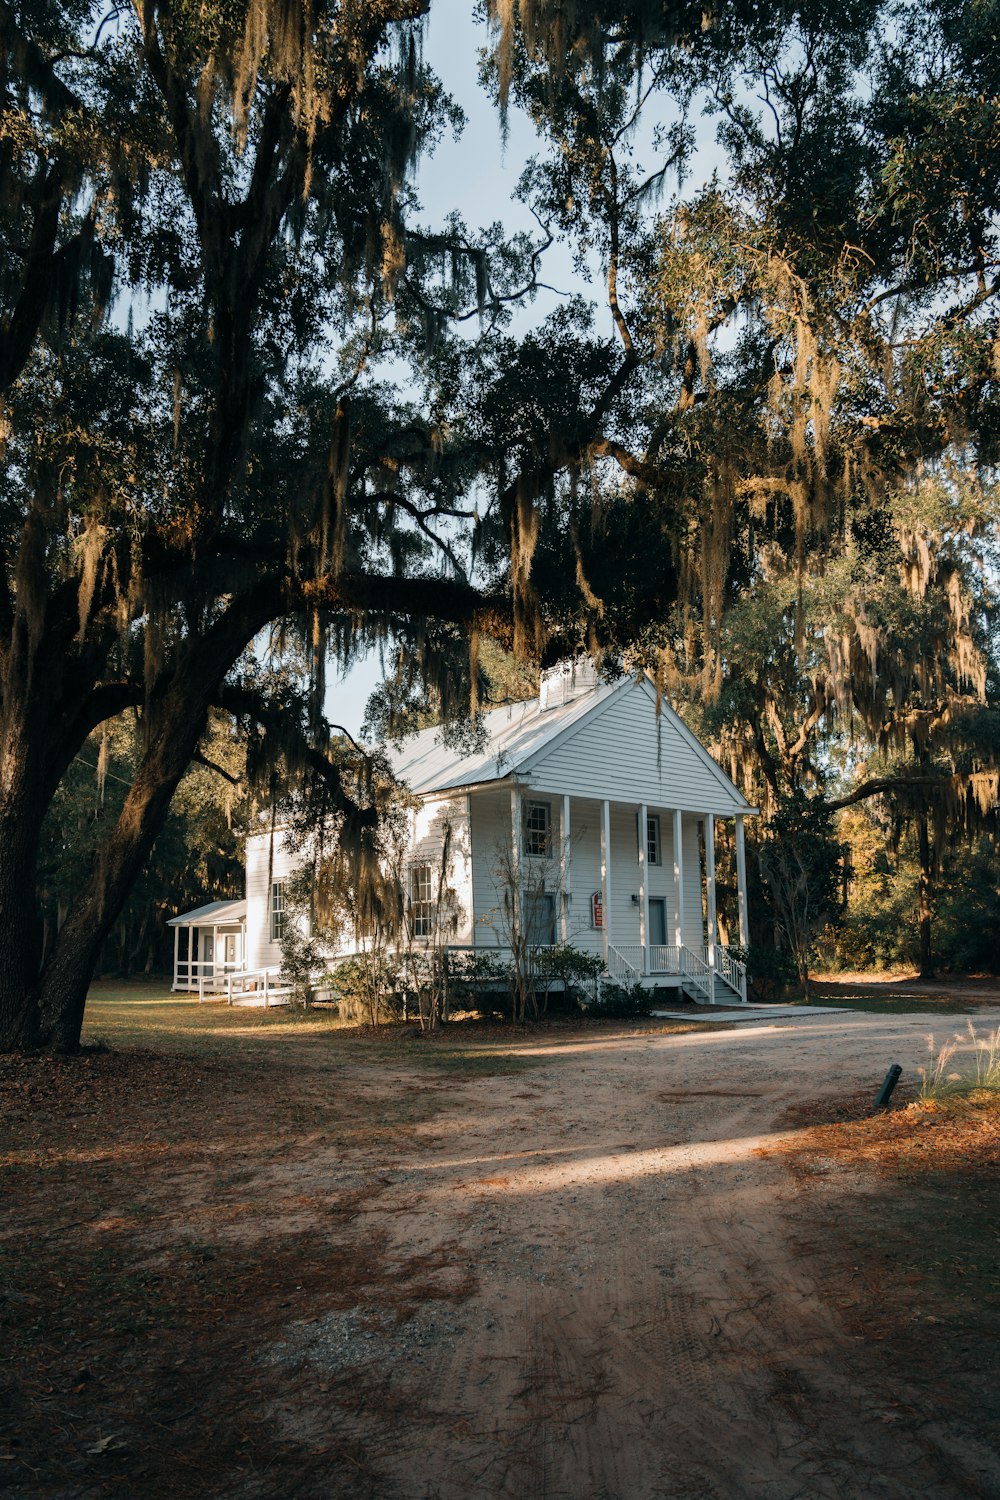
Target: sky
{"points": [[477, 174]]}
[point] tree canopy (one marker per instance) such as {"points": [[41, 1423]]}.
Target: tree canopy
{"points": [[258, 416]]}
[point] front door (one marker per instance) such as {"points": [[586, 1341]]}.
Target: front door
{"points": [[540, 919], [657, 922]]}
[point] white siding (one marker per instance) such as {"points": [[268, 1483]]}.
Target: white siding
{"points": [[694, 915], [585, 874], [624, 752], [490, 844], [261, 952], [435, 819]]}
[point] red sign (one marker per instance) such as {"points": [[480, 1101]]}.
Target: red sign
{"points": [[597, 910]]}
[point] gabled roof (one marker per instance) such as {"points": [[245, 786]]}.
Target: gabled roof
{"points": [[215, 914], [517, 731], [520, 734]]}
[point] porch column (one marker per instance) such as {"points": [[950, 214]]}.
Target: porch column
{"points": [[515, 853], [565, 873], [710, 897], [741, 881], [177, 954], [606, 872], [678, 878], [643, 887]]}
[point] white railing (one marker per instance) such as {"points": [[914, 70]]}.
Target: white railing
{"points": [[191, 971], [664, 958], [267, 985], [732, 970], [698, 974], [621, 961]]}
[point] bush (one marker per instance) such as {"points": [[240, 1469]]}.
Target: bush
{"points": [[618, 1001], [771, 972], [368, 988], [576, 971], [480, 980]]}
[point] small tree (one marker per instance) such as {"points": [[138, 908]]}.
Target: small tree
{"points": [[577, 972], [801, 864], [302, 953]]}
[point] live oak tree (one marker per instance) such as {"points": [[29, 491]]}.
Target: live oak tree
{"points": [[233, 451], [819, 440], [211, 460]]}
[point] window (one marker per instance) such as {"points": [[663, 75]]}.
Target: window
{"points": [[537, 828], [277, 911], [654, 853], [421, 901]]}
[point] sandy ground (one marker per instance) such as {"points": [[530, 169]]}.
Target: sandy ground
{"points": [[588, 1279], [640, 1310]]}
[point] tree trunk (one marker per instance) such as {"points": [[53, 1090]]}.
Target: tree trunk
{"points": [[925, 887], [68, 973], [23, 805], [20, 930]]}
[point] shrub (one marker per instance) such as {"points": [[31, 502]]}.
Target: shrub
{"points": [[621, 1000], [576, 971], [770, 971]]}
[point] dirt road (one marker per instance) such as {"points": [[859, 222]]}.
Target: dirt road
{"points": [[645, 1320], [291, 1265]]}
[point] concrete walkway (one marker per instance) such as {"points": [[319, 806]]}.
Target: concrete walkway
{"points": [[718, 1016]]}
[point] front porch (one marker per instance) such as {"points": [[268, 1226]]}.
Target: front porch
{"points": [[632, 882]]}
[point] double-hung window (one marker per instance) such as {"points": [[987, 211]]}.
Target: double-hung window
{"points": [[654, 849], [421, 901], [537, 828], [277, 911]]}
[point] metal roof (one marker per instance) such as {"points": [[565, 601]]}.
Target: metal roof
{"points": [[215, 914], [517, 731]]}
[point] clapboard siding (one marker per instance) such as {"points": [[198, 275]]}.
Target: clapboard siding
{"points": [[623, 751], [435, 821], [268, 860]]}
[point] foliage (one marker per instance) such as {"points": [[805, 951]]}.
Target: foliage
{"points": [[576, 972], [770, 971], [197, 856], [801, 862], [369, 985], [940, 1080], [480, 980], [877, 930], [623, 1000], [302, 955]]}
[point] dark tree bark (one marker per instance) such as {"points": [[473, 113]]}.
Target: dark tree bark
{"points": [[925, 889]]}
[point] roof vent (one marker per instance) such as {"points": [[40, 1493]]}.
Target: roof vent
{"points": [[565, 681]]}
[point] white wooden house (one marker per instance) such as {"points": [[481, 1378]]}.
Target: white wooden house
{"points": [[600, 804]]}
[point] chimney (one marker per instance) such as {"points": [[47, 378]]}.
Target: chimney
{"points": [[565, 681]]}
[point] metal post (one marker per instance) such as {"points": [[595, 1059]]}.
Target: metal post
{"points": [[741, 880]]}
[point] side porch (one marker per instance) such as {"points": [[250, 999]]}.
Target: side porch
{"points": [[209, 944]]}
